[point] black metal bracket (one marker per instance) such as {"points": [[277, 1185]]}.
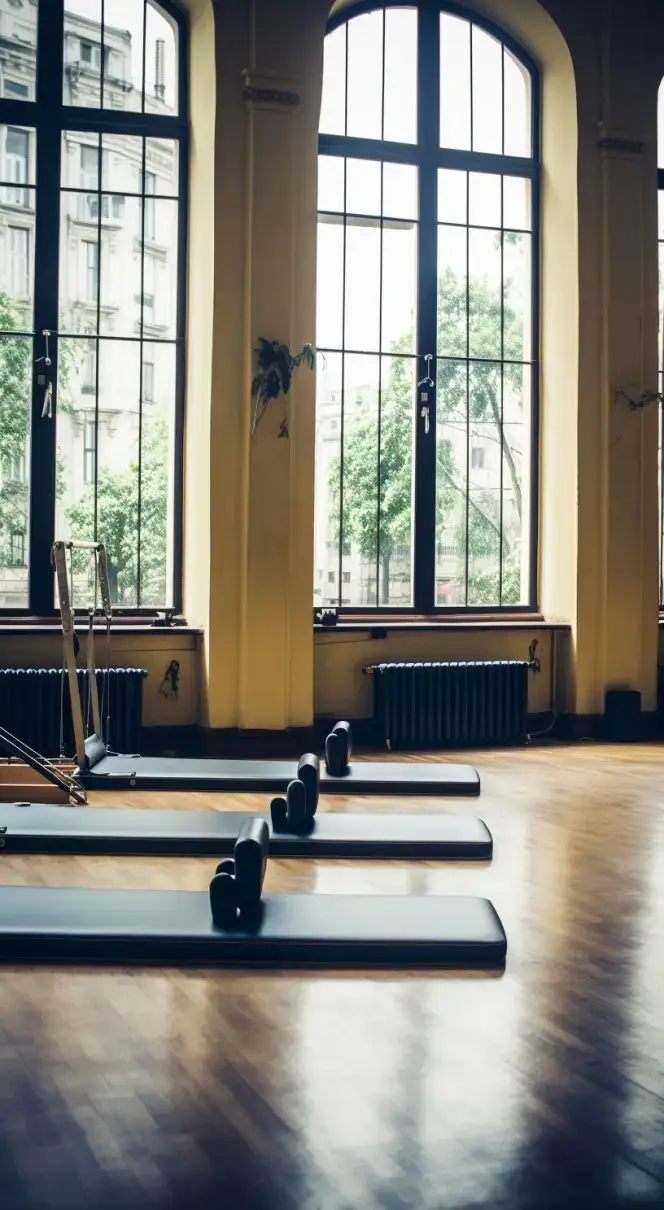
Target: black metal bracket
{"points": [[534, 662]]}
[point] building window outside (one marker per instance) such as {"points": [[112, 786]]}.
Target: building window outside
{"points": [[17, 165], [19, 261], [89, 449], [91, 254], [148, 381], [17, 548]]}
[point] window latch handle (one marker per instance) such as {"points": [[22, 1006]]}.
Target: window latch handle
{"points": [[427, 382], [424, 413]]}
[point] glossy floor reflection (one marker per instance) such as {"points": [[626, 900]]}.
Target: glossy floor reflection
{"points": [[540, 1088]]}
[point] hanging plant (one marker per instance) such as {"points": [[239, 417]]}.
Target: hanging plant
{"points": [[275, 367]]}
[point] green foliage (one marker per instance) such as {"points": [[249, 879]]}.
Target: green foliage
{"points": [[117, 521], [275, 366], [376, 529]]}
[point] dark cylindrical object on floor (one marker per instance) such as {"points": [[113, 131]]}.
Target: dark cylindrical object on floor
{"points": [[251, 850], [308, 772]]}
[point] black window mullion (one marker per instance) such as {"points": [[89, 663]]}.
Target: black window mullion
{"points": [[178, 470], [534, 452], [139, 500], [46, 269], [424, 562]]}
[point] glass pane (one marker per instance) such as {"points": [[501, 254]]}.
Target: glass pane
{"points": [[120, 310], [117, 486], [360, 481], [17, 233], [160, 269], [517, 210], [365, 76], [331, 182], [123, 55], [16, 356], [484, 288], [79, 168], [451, 481], [122, 165], [397, 411], [452, 291], [81, 84], [452, 196], [18, 31], [517, 297], [161, 161], [362, 286], [18, 146], [363, 186], [484, 199], [399, 288], [333, 105], [330, 289], [516, 486], [161, 61], [400, 104], [98, 468], [484, 508], [518, 107], [79, 262], [327, 479], [487, 88], [17, 273], [157, 474], [455, 120], [399, 191]]}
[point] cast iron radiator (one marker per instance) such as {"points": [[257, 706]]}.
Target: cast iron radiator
{"points": [[450, 705], [30, 707]]}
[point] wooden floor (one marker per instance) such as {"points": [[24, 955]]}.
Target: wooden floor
{"points": [[260, 1091]]}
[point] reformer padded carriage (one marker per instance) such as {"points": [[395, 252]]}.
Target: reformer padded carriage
{"points": [[234, 924], [296, 830]]}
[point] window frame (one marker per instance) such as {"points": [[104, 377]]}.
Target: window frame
{"points": [[427, 153], [660, 385], [47, 117]]}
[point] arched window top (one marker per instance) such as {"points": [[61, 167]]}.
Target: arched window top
{"points": [[122, 55], [373, 63]]}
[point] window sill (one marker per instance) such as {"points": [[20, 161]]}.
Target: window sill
{"points": [[377, 626], [44, 627]]}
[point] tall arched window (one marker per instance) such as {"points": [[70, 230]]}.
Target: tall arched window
{"points": [[426, 424], [93, 166]]}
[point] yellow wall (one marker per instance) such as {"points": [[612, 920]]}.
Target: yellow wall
{"points": [[248, 515], [599, 313]]}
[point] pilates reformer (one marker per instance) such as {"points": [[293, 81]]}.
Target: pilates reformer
{"points": [[235, 924]]}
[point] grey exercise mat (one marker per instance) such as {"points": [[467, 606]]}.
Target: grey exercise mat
{"points": [[363, 777], [78, 924], [43, 829]]}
